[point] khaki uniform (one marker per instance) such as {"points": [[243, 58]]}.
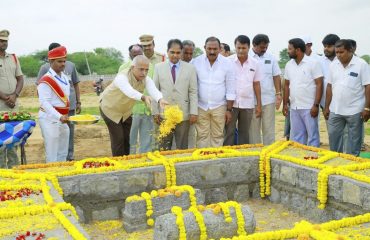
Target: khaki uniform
{"points": [[9, 70], [157, 58]]}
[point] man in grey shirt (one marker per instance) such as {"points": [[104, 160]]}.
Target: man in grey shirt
{"points": [[74, 97]]}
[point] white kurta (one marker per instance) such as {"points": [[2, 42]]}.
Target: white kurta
{"points": [[54, 132]]}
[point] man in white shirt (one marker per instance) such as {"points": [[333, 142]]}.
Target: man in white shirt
{"points": [[247, 74], [271, 94], [347, 98], [216, 94], [119, 97], [329, 56], [53, 91], [303, 87]]}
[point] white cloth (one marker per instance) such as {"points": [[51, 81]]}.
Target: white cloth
{"points": [[48, 99], [348, 86], [302, 85], [325, 64], [121, 81], [56, 139], [245, 76], [270, 68], [216, 83]]}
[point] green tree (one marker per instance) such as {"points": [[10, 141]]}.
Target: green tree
{"points": [[366, 58], [30, 65], [110, 53], [197, 52], [284, 58]]}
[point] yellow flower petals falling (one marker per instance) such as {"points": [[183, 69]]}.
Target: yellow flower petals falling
{"points": [[172, 116]]}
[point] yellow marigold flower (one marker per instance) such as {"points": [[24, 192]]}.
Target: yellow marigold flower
{"points": [[172, 116]]}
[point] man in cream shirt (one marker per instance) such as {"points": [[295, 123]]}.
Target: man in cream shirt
{"points": [[119, 97]]}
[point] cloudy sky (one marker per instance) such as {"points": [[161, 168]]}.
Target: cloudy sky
{"points": [[86, 24]]}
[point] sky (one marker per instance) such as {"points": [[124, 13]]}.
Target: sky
{"points": [[82, 25]]}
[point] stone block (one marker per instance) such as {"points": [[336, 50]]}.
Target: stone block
{"points": [[288, 175], [275, 169], [351, 193], [307, 179], [134, 214], [275, 195], [215, 195], [165, 227], [134, 183], [335, 187], [366, 199], [243, 170], [256, 190], [108, 213], [80, 213], [70, 187], [107, 187], [160, 179], [241, 193], [213, 172]]}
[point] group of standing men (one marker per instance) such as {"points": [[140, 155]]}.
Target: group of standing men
{"points": [[216, 94], [229, 99]]}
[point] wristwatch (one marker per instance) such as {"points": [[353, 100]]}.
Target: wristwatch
{"points": [[317, 105]]}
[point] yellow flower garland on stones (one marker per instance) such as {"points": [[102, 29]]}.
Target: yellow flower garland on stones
{"points": [[200, 220], [149, 207], [177, 211]]}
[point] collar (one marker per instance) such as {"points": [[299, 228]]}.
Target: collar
{"points": [[206, 58], [177, 64], [54, 73], [235, 58]]}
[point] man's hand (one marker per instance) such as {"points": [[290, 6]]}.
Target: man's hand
{"points": [[147, 100], [64, 118], [285, 110], [11, 99], [278, 101], [78, 107], [157, 119], [228, 117], [163, 103], [326, 113], [365, 115], [314, 111], [258, 111], [193, 119]]}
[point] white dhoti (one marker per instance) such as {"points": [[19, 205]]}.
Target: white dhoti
{"points": [[56, 139]]}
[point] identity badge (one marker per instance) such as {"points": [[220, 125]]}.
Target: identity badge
{"points": [[353, 74], [267, 61]]}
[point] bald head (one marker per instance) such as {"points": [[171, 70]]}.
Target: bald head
{"points": [[135, 50], [140, 67]]}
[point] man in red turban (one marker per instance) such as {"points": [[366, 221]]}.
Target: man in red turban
{"points": [[53, 90]]}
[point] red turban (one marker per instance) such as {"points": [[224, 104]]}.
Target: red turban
{"points": [[58, 52]]}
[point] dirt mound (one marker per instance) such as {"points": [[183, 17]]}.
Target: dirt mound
{"points": [[86, 87]]}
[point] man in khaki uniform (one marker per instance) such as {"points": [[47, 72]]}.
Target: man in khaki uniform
{"points": [[148, 44], [11, 84]]}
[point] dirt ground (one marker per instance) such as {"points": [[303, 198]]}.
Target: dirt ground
{"points": [[93, 140]]}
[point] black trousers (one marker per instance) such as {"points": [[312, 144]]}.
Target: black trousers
{"points": [[119, 135]]}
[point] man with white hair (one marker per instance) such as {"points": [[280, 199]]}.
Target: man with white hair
{"points": [[119, 97]]}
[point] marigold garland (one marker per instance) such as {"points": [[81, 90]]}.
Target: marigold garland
{"points": [[177, 211]]}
